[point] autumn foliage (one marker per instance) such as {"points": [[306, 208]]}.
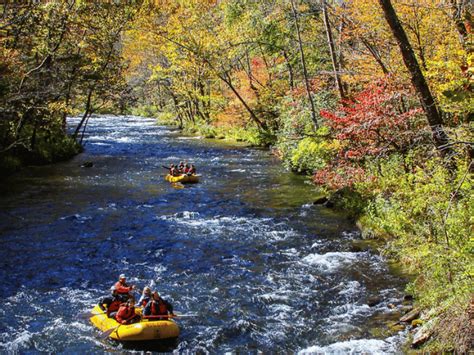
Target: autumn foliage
{"points": [[379, 120]]}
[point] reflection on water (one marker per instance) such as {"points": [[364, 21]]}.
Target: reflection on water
{"points": [[245, 249]]}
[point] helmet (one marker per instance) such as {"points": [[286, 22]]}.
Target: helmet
{"points": [[122, 276], [112, 289]]}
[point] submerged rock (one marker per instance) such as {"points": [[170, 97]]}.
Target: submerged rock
{"points": [[373, 301]]}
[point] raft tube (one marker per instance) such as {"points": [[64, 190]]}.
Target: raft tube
{"points": [[184, 179], [145, 330]]}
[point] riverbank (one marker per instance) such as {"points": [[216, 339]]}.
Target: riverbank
{"points": [[421, 214], [47, 149]]}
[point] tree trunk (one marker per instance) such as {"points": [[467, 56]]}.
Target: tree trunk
{"points": [[332, 51], [290, 71], [303, 64], [460, 15], [86, 114], [226, 79], [433, 116]]}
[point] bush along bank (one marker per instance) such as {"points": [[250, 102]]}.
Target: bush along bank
{"points": [[388, 176], [249, 134], [47, 147]]}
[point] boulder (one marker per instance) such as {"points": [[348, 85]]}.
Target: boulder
{"points": [[87, 164], [422, 335], [321, 201], [373, 301], [413, 314]]}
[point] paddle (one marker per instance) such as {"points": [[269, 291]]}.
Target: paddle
{"points": [[171, 316], [107, 333], [88, 315], [165, 167]]}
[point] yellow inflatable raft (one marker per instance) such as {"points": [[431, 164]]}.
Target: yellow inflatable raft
{"points": [[185, 179], [145, 330]]}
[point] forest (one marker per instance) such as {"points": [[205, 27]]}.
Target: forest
{"points": [[373, 100]]}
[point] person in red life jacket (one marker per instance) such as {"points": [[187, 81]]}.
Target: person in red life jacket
{"points": [[181, 167], [192, 170], [174, 170], [126, 313], [158, 307], [145, 297], [123, 289], [187, 167], [112, 304]]}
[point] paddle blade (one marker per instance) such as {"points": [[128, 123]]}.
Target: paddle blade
{"points": [[107, 333], [87, 315]]}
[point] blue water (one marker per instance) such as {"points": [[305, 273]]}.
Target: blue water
{"points": [[244, 250]]}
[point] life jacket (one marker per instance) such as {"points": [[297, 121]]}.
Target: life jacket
{"points": [[145, 301], [114, 306], [122, 287], [158, 308], [125, 313]]}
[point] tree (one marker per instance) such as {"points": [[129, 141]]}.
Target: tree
{"points": [[440, 138]]}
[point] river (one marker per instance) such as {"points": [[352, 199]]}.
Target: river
{"points": [[245, 250]]}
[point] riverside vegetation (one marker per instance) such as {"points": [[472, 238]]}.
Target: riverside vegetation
{"points": [[371, 99]]}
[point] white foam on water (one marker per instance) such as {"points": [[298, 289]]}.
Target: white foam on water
{"points": [[189, 138], [351, 289], [230, 226], [357, 346], [346, 312], [21, 341], [332, 261]]}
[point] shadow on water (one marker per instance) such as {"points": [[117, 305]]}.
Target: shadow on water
{"points": [[161, 346]]}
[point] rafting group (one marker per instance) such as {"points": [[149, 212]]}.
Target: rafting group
{"points": [[182, 172], [121, 305], [121, 318]]}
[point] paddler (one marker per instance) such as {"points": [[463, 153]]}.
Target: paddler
{"points": [[173, 170], [181, 167], [145, 297], [126, 313], [112, 304], [158, 307], [123, 289]]}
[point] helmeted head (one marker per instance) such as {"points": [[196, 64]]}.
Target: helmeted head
{"points": [[122, 277], [147, 290], [156, 295], [113, 290]]}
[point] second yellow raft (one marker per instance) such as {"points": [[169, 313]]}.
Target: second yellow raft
{"points": [[145, 330], [185, 179]]}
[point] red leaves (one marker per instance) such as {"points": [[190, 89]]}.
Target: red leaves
{"points": [[379, 120]]}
